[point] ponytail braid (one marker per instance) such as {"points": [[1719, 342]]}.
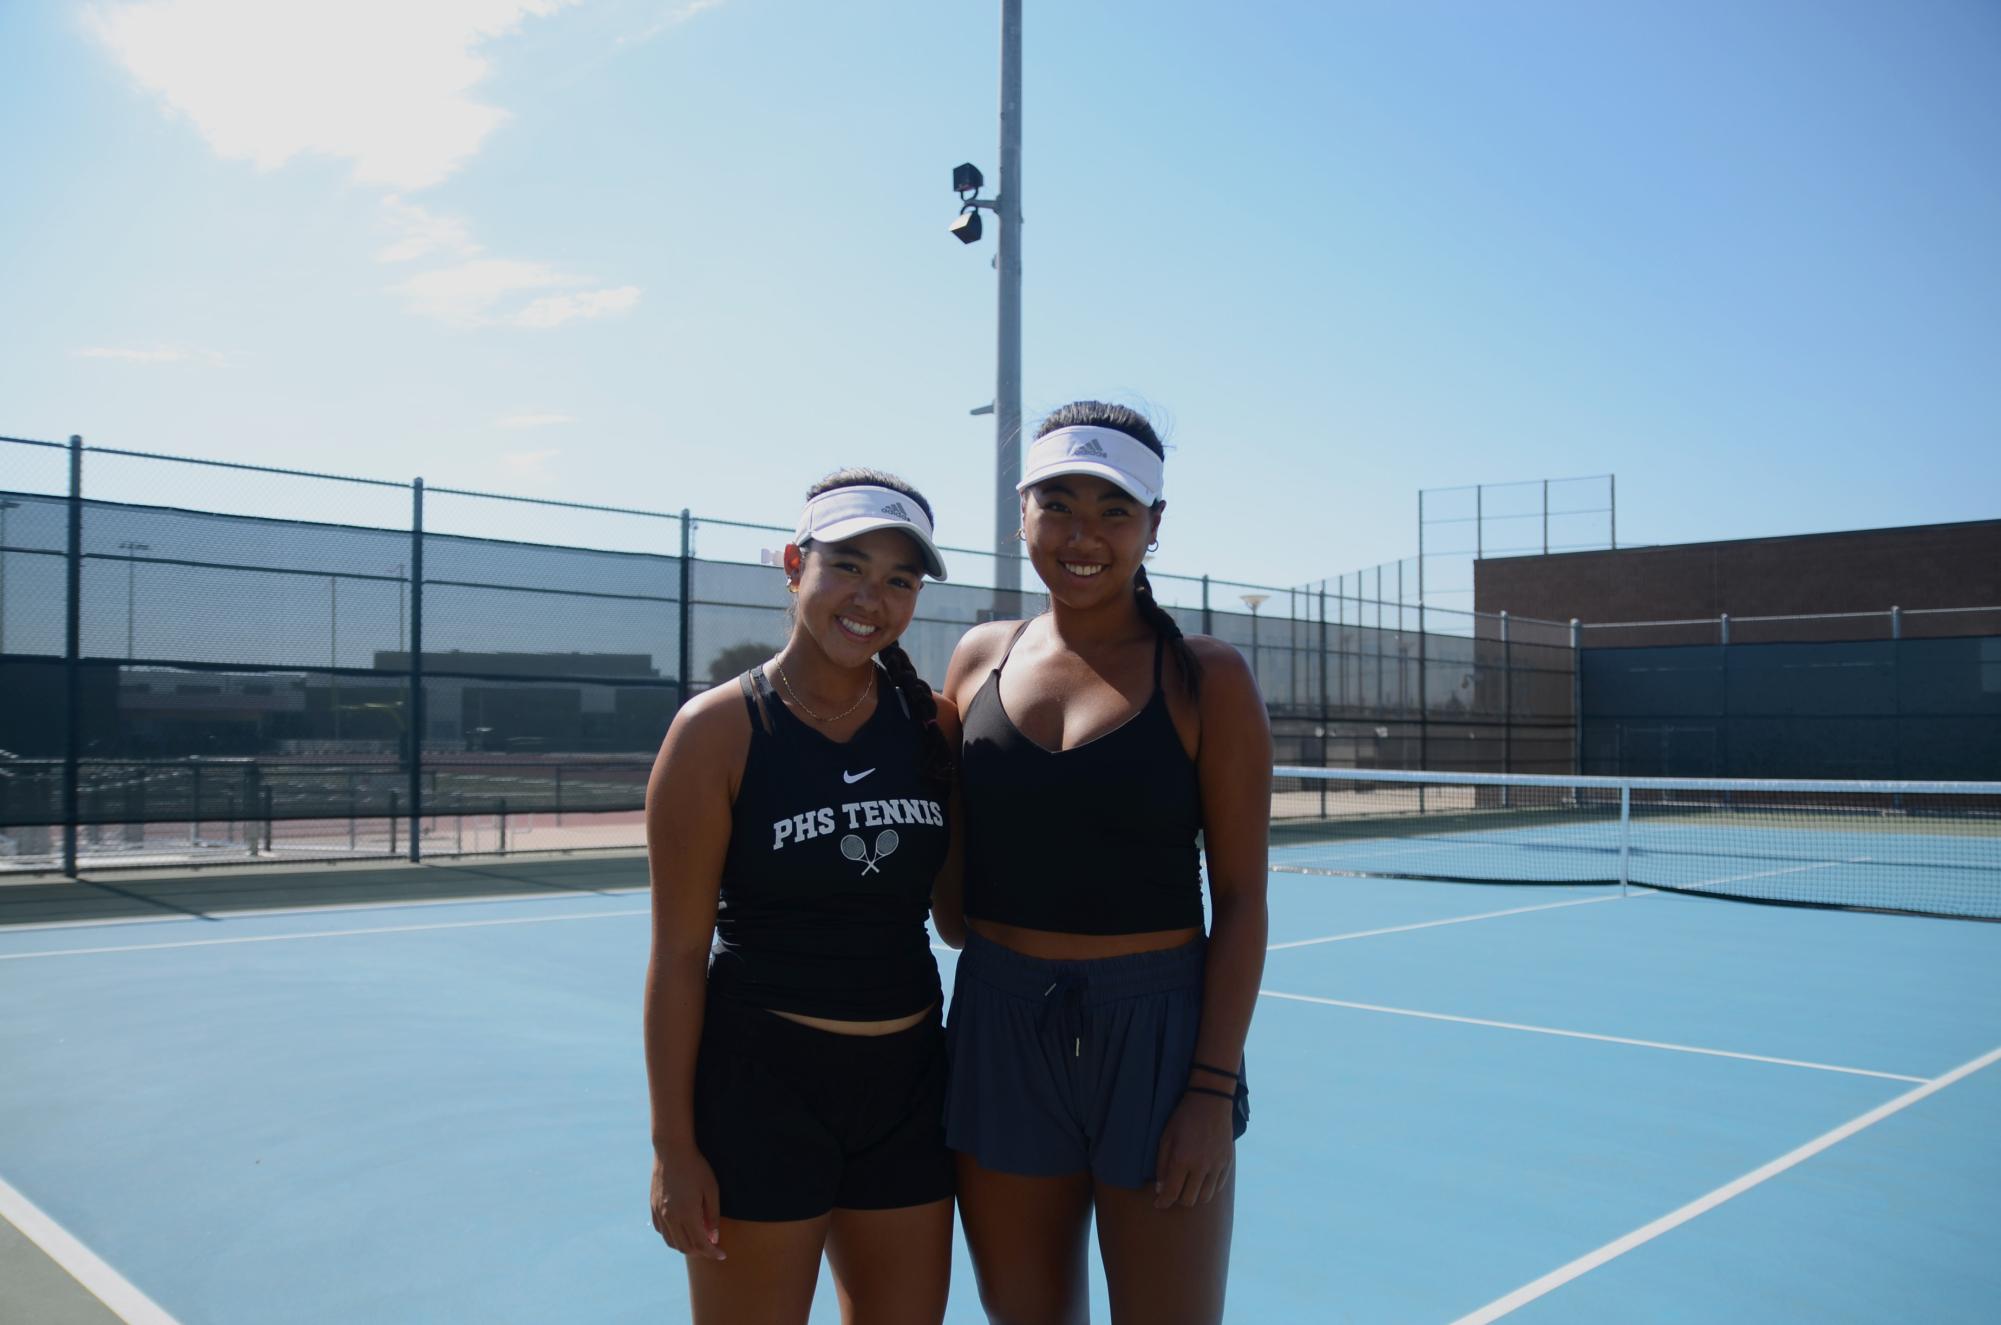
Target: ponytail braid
{"points": [[935, 754], [1167, 628]]}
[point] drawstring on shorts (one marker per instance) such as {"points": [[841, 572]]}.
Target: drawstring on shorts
{"points": [[1063, 1008]]}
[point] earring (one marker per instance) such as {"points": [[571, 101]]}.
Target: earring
{"points": [[792, 587], [1021, 536], [1154, 546]]}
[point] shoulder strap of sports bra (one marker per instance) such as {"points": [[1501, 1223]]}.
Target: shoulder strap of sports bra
{"points": [[1019, 631], [754, 688]]}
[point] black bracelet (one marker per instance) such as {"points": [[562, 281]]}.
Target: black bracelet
{"points": [[1204, 1067], [1204, 1090]]}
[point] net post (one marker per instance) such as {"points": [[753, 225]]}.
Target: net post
{"points": [[1896, 623], [1207, 627], [1625, 836]]}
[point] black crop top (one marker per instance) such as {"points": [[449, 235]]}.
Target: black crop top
{"points": [[1098, 839], [833, 850]]}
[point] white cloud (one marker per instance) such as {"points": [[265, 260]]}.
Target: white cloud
{"points": [[383, 84], [556, 309], [163, 354], [421, 234], [482, 293], [531, 421]]}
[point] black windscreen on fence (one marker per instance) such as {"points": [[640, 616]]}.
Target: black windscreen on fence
{"points": [[1898, 708]]}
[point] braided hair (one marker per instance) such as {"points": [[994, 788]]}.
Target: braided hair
{"points": [[935, 755], [1098, 414]]}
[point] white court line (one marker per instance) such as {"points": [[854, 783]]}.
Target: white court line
{"points": [[1588, 1035], [1795, 869], [252, 912], [318, 934], [1336, 853], [80, 1262], [1454, 920], [1590, 1261]]}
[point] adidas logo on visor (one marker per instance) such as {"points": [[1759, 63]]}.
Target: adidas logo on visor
{"points": [[895, 508], [1089, 446]]}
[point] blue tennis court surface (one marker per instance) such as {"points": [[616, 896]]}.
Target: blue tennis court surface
{"points": [[1469, 1103]]}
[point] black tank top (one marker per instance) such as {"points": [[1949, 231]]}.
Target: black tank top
{"points": [[833, 850], [1099, 839]]}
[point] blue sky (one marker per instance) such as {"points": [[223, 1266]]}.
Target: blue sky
{"points": [[693, 253]]}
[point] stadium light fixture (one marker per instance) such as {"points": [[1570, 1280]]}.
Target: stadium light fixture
{"points": [[967, 182]]}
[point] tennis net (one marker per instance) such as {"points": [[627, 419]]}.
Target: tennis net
{"points": [[1929, 848]]}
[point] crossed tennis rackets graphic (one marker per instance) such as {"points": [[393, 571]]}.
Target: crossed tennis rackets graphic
{"points": [[855, 849]]}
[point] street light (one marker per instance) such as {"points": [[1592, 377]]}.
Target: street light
{"points": [[1254, 601], [132, 550], [6, 504]]}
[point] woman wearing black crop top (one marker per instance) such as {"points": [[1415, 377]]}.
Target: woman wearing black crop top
{"points": [[1097, 1036], [796, 1066]]}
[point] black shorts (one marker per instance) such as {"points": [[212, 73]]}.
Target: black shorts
{"points": [[797, 1121], [1062, 1067]]}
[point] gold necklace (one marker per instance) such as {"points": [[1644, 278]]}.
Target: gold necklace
{"points": [[800, 704]]}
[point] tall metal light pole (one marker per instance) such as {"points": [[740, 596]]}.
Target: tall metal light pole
{"points": [[1007, 352], [132, 551], [6, 504]]}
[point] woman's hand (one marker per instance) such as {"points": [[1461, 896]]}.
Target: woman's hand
{"points": [[1197, 1151], [686, 1209]]}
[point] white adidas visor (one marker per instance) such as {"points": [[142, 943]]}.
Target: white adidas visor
{"points": [[1104, 453], [851, 512]]}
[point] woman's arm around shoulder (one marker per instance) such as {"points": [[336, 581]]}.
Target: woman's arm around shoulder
{"points": [[948, 913]]}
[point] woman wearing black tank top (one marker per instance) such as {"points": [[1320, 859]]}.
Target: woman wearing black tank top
{"points": [[1096, 1035], [796, 1065]]}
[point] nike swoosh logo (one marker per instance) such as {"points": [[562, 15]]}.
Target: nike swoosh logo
{"points": [[852, 778]]}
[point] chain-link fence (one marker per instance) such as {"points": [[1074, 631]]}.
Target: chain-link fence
{"points": [[205, 661]]}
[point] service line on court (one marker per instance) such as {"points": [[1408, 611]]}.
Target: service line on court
{"points": [[80, 1262], [1590, 1261], [1457, 920], [1586, 1035], [320, 934]]}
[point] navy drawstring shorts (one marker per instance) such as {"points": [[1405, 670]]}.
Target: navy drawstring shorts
{"points": [[1059, 1067]]}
